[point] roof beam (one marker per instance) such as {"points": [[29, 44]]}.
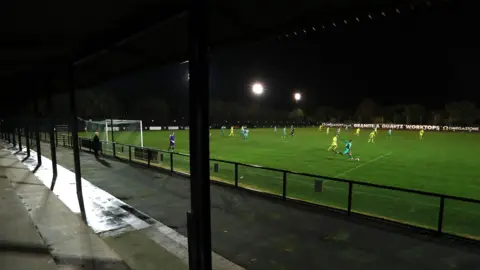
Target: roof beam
{"points": [[130, 37]]}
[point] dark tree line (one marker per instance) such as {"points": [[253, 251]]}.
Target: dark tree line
{"points": [[454, 113], [101, 105]]}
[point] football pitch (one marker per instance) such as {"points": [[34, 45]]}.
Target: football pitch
{"points": [[444, 163]]}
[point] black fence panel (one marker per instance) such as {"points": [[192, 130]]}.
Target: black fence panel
{"points": [[432, 211]]}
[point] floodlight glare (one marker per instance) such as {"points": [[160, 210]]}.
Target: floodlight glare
{"points": [[297, 96], [257, 89]]}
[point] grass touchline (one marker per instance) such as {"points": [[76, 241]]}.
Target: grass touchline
{"points": [[363, 164]]}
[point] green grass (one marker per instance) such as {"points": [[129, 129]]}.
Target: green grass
{"points": [[444, 163]]}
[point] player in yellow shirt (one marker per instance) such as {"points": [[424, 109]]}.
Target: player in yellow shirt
{"points": [[328, 130], [334, 145], [371, 137], [231, 132], [357, 132], [421, 134], [320, 127]]}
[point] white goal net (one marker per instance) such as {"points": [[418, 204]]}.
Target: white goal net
{"points": [[120, 131]]}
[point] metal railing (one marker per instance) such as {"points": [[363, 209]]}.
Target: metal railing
{"points": [[432, 211]]}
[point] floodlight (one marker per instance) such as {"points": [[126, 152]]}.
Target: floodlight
{"points": [[257, 88], [297, 96]]}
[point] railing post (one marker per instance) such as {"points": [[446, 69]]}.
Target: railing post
{"points": [[350, 194], [130, 153], [149, 156], [111, 132], [63, 141], [114, 149], [171, 162], [236, 174], [440, 214], [284, 194]]}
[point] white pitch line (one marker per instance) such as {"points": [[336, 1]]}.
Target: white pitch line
{"points": [[363, 164]]}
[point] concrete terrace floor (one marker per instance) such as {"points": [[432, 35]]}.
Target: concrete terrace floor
{"points": [[261, 233]]}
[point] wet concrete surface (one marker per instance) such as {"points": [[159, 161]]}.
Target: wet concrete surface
{"points": [[261, 233], [104, 212], [64, 237]]}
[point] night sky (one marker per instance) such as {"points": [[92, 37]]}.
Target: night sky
{"points": [[424, 57]]}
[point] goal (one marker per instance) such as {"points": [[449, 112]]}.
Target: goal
{"points": [[122, 131]]}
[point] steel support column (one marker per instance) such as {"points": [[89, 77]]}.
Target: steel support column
{"points": [[19, 131], [37, 133], [13, 137], [51, 129], [27, 141], [76, 151], [31, 137], [200, 256]]}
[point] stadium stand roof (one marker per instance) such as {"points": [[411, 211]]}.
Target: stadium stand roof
{"points": [[111, 38]]}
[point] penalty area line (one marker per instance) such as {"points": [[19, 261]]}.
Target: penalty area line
{"points": [[363, 164]]}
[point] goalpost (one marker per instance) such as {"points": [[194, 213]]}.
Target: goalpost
{"points": [[124, 131]]}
